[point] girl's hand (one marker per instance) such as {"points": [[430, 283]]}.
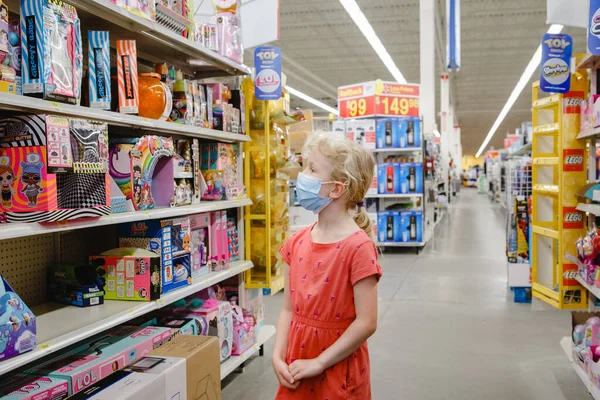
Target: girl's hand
{"points": [[301, 369], [283, 374]]}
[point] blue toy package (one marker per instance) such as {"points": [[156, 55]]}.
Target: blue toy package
{"points": [[388, 226], [99, 69], [17, 323], [408, 131], [168, 238], [386, 133], [411, 178], [411, 226], [51, 50], [388, 178]]}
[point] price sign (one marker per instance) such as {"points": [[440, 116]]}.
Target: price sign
{"points": [[267, 82], [378, 98]]}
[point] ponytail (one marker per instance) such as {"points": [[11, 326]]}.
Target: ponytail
{"points": [[364, 222]]}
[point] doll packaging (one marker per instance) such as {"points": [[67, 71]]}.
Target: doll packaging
{"points": [[127, 76], [51, 50], [99, 69], [17, 323], [25, 387]]}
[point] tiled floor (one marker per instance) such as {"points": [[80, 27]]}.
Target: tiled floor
{"points": [[448, 326]]}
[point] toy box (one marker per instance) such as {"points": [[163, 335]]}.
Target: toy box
{"points": [[411, 226], [186, 172], [77, 285], [17, 323], [219, 166], [143, 171], [386, 133], [388, 226], [52, 168], [200, 242], [203, 371], [389, 178], [219, 255], [102, 355], [51, 50], [149, 378], [349, 130], [25, 387], [170, 239], [411, 178], [127, 77], [364, 133], [244, 331], [4, 29], [129, 274], [220, 321], [408, 131], [252, 301], [233, 240], [99, 69]]}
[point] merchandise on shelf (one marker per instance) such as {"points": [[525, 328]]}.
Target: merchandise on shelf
{"points": [[129, 274], [400, 226], [244, 331], [233, 242], [178, 326], [200, 243], [400, 178], [219, 257], [143, 169], [203, 370], [398, 133], [586, 344], [227, 21], [411, 226], [100, 356], [155, 99], [127, 77], [182, 105], [25, 387], [518, 237], [53, 168], [170, 239], [253, 302], [189, 182], [52, 50], [14, 50], [99, 70], [77, 285], [148, 378], [17, 323], [145, 9], [219, 168]]}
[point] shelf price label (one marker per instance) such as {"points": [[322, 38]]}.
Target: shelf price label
{"points": [[378, 98]]}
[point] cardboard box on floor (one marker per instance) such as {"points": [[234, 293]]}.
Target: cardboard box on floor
{"points": [[202, 364]]}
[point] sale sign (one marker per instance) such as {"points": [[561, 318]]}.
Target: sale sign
{"points": [[378, 98], [267, 81]]}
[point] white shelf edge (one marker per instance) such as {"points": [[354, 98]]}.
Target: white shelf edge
{"points": [[233, 362], [566, 344], [590, 208], [399, 196], [34, 105], [11, 231], [592, 289], [400, 244], [398, 150], [135, 310], [589, 133], [522, 150]]}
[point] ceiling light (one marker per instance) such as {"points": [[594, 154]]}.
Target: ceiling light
{"points": [[365, 27], [436, 133], [312, 101], [527, 74]]}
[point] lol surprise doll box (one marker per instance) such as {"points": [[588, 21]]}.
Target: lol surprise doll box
{"points": [[17, 323], [102, 355], [200, 242], [170, 239], [129, 274], [51, 50], [25, 387]]}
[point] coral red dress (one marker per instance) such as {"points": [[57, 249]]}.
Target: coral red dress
{"points": [[322, 277]]}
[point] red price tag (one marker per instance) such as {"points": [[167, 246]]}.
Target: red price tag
{"points": [[360, 107], [397, 106]]}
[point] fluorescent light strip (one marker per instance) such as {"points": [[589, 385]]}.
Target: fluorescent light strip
{"points": [[527, 74], [365, 27], [312, 101]]}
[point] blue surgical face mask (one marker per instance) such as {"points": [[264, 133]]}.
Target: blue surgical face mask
{"points": [[308, 188]]}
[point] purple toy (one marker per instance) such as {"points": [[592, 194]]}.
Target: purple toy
{"points": [[17, 323]]}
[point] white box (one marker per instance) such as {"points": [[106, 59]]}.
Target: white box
{"points": [[519, 275], [150, 378], [364, 133], [350, 130]]}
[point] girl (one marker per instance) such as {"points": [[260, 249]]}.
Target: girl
{"points": [[330, 303]]}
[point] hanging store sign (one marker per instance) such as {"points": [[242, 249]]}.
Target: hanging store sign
{"points": [[453, 34], [555, 74], [594, 27], [267, 80], [378, 98]]}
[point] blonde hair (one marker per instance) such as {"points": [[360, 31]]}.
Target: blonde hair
{"points": [[353, 165]]}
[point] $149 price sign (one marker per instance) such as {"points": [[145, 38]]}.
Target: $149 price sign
{"points": [[379, 105]]}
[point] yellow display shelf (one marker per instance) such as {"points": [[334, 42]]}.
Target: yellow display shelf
{"points": [[547, 190], [549, 129], [546, 161], [551, 233]]}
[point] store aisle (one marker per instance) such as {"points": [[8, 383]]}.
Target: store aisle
{"points": [[448, 326]]}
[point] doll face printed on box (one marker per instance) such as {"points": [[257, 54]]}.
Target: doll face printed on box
{"points": [[7, 180], [31, 178]]}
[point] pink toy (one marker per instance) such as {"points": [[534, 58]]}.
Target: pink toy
{"points": [[220, 321], [228, 29], [24, 387], [244, 331], [200, 242]]}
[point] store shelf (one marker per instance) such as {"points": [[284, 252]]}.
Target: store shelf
{"points": [[590, 288], [546, 190], [549, 129], [566, 344], [266, 333], [524, 150], [403, 150], [589, 133], [551, 233], [591, 61], [589, 208], [546, 102], [33, 105], [393, 196], [10, 231], [545, 161], [59, 326], [400, 244]]}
